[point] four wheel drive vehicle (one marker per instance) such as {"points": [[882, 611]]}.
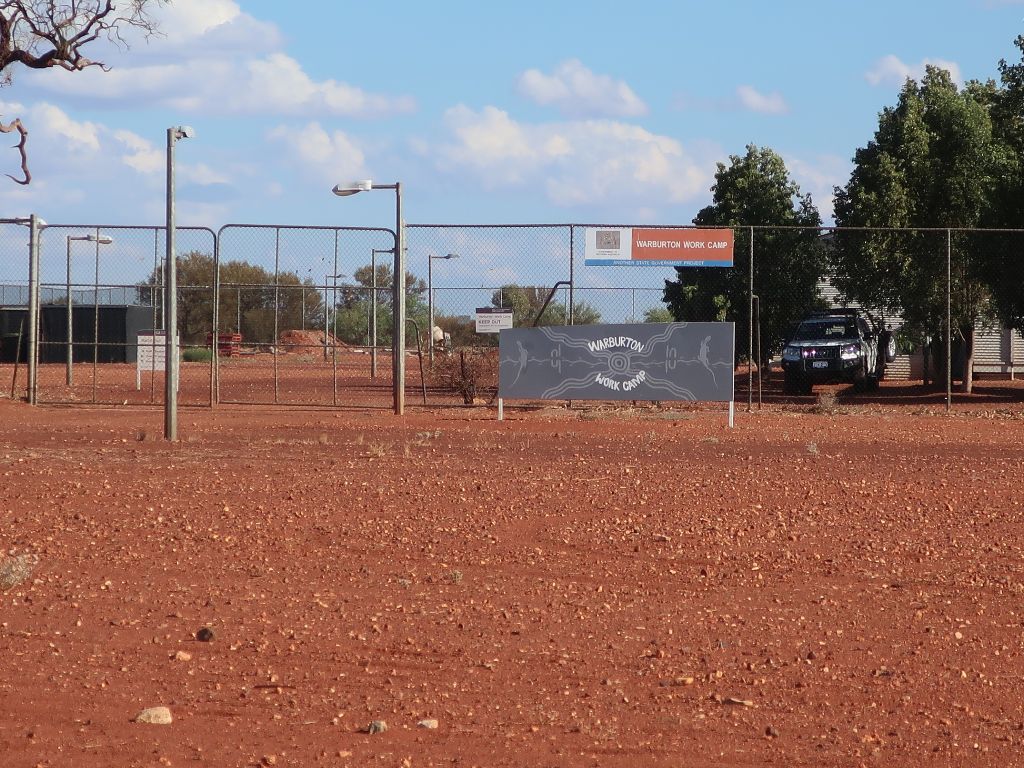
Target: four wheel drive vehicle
{"points": [[837, 346]]}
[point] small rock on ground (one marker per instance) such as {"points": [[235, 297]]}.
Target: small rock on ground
{"points": [[155, 716]]}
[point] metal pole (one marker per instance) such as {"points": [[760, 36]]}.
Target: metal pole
{"points": [[33, 308], [334, 347], [277, 309], [572, 281], [215, 322], [949, 321], [157, 278], [373, 320], [430, 309], [750, 331], [398, 345], [334, 340], [68, 376], [96, 319], [170, 305]]}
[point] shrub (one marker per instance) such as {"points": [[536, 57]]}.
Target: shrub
{"points": [[471, 371], [197, 355]]}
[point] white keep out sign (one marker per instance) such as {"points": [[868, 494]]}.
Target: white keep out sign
{"points": [[492, 319]]}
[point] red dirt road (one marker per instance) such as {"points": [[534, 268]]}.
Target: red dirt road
{"points": [[603, 588]]}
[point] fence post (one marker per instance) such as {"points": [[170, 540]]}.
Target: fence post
{"points": [[33, 307], [572, 280], [750, 330], [215, 359], [949, 320]]}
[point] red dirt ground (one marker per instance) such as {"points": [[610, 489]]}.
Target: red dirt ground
{"points": [[602, 587]]}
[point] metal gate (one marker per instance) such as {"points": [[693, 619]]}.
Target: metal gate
{"points": [[101, 296], [304, 316]]}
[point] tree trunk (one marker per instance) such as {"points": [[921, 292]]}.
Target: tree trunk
{"points": [[926, 362], [968, 372]]}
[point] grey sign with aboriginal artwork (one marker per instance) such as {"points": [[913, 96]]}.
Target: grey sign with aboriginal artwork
{"points": [[643, 361]]}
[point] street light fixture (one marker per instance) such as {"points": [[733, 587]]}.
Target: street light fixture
{"points": [[398, 288], [171, 295], [430, 299], [99, 240]]}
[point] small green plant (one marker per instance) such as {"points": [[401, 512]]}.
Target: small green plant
{"points": [[197, 355]]}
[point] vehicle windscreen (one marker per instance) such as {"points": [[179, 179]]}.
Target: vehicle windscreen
{"points": [[811, 330]]}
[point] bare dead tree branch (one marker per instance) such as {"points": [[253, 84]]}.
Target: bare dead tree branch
{"points": [[15, 125], [43, 34]]}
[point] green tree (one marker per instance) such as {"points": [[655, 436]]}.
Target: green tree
{"points": [[933, 163], [658, 315], [1000, 264], [355, 306], [249, 299], [527, 301], [755, 189]]}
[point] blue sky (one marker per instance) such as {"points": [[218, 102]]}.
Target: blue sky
{"points": [[526, 112]]}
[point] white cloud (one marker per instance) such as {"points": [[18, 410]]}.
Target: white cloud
{"points": [[327, 156], [755, 101], [577, 162], [87, 166], [890, 69], [271, 85], [55, 123], [819, 176], [579, 92], [193, 18], [214, 60], [140, 154]]}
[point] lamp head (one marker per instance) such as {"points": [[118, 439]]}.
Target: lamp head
{"points": [[352, 187], [102, 239], [184, 132]]}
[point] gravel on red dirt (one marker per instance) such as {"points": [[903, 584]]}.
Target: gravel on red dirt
{"points": [[599, 587]]}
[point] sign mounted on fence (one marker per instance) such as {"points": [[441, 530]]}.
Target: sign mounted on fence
{"points": [[152, 351], [151, 354], [650, 247], [492, 319], [643, 361]]}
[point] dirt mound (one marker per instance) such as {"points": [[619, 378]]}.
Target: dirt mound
{"points": [[292, 339]]}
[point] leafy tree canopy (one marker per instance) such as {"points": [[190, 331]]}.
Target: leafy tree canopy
{"points": [[755, 189]]}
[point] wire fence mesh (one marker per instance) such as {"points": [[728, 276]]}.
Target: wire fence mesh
{"points": [[309, 314], [295, 315]]}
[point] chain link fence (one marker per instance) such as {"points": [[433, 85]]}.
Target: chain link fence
{"points": [[292, 315], [100, 287], [305, 316]]}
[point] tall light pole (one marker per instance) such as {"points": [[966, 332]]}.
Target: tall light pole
{"points": [[430, 299], [398, 288], [373, 309], [171, 295], [99, 240]]}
